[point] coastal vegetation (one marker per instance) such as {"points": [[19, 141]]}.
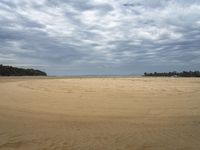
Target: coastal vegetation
{"points": [[14, 71], [174, 74]]}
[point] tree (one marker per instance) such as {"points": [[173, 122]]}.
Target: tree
{"points": [[14, 71]]}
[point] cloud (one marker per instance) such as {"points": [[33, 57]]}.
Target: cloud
{"points": [[100, 36]]}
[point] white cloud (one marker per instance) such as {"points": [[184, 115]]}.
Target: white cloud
{"points": [[100, 32]]}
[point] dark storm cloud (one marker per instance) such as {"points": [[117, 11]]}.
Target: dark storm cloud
{"points": [[100, 36]]}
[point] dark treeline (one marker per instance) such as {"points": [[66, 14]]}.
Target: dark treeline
{"points": [[174, 74], [13, 71]]}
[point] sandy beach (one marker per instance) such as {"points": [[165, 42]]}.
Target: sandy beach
{"points": [[99, 113]]}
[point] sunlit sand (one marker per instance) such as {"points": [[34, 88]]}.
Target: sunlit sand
{"points": [[99, 113]]}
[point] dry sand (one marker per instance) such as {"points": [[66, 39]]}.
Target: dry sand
{"points": [[99, 114]]}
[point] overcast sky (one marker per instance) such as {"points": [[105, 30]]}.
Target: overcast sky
{"points": [[81, 37]]}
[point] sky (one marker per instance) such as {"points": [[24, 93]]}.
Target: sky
{"points": [[100, 37]]}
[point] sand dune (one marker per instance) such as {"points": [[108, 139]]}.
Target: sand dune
{"points": [[99, 113]]}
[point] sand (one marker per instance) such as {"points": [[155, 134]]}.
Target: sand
{"points": [[99, 113]]}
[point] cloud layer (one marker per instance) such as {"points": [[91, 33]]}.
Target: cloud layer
{"points": [[67, 37]]}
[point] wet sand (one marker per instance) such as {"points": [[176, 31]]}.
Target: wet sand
{"points": [[99, 113]]}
